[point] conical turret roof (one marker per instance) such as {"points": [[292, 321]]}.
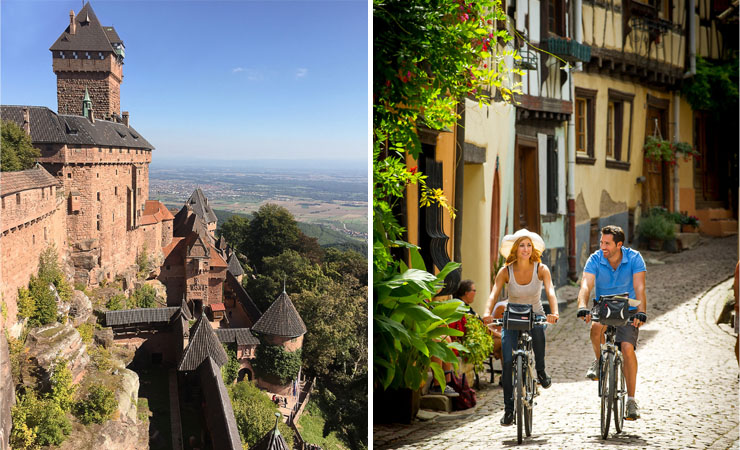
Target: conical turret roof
{"points": [[89, 34], [273, 440], [203, 343], [281, 319]]}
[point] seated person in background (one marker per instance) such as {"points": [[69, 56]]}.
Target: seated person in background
{"points": [[498, 313]]}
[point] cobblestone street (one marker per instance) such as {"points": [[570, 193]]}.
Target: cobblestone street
{"points": [[687, 382]]}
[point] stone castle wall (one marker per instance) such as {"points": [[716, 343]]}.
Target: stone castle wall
{"points": [[32, 220], [102, 78]]}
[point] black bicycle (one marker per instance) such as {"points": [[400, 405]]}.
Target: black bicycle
{"points": [[612, 385], [526, 387]]}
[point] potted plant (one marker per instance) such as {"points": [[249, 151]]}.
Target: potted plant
{"points": [[657, 149], [690, 224], [655, 229], [479, 342]]}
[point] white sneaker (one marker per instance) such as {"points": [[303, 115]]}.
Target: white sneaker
{"points": [[593, 371], [633, 411]]}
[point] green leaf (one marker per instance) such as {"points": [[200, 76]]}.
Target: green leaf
{"points": [[447, 308], [439, 374], [417, 262]]}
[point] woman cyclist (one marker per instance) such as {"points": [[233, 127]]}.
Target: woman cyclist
{"points": [[525, 275]]}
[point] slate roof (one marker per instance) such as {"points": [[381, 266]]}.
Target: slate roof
{"points": [[199, 203], [140, 315], [218, 406], [242, 336], [89, 34], [36, 178], [221, 243], [273, 440], [281, 319], [250, 307], [235, 268], [48, 127], [203, 344]]}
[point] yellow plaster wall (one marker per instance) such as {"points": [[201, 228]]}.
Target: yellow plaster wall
{"points": [[492, 128]]}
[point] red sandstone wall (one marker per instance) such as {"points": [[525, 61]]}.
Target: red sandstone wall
{"points": [[27, 230], [290, 344], [102, 79], [166, 232]]}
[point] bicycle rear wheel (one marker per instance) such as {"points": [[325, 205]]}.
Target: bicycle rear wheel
{"points": [[606, 399], [518, 391], [621, 395]]}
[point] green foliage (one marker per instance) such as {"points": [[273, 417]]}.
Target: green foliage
{"points": [[98, 406], [26, 304], [4, 310], [143, 263], [657, 149], [312, 423], [142, 409], [255, 414], [38, 303], [235, 230], [656, 226], [51, 271], [101, 358], [230, 370], [86, 331], [345, 405], [478, 341], [15, 348], [37, 422], [62, 388], [338, 264], [16, 150], [45, 305], [276, 363], [116, 302], [143, 297], [714, 87], [272, 231]]}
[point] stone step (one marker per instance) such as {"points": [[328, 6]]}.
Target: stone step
{"points": [[436, 403], [719, 227], [687, 240]]}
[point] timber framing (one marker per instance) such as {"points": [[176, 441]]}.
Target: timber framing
{"points": [[534, 107], [633, 67]]}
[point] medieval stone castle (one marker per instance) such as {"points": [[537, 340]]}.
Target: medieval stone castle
{"points": [[88, 196]]}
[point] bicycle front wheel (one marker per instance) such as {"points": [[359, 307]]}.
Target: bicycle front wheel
{"points": [[518, 397], [528, 406], [621, 395], [605, 394]]}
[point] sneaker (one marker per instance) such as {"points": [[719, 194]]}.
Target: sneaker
{"points": [[544, 380], [450, 392], [633, 412], [593, 371], [508, 418]]}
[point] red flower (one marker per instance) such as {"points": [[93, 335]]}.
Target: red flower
{"points": [[413, 169]]}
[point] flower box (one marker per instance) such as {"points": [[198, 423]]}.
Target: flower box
{"points": [[569, 50]]}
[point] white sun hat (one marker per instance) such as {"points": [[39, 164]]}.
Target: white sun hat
{"points": [[508, 241]]}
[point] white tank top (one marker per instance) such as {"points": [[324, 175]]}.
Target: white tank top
{"points": [[528, 293]]}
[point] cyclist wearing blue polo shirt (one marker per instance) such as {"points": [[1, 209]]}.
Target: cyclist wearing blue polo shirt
{"points": [[615, 269]]}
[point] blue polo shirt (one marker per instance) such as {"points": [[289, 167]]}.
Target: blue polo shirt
{"points": [[610, 281]]}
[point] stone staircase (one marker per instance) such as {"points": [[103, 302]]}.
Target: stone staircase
{"points": [[717, 222]]}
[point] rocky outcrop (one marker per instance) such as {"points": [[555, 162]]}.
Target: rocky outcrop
{"points": [[45, 344], [7, 393], [159, 288], [104, 337], [128, 395], [80, 309]]}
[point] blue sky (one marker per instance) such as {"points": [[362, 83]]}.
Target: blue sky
{"points": [[228, 80]]}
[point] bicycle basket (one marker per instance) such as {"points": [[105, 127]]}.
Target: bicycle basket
{"points": [[518, 317], [613, 311]]}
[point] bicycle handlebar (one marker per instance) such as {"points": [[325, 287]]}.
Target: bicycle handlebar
{"points": [[539, 320]]}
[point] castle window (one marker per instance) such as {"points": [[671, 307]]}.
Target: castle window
{"points": [[33, 239], [87, 55], [17, 199], [69, 174], [61, 55], [98, 225], [100, 55], [3, 202], [43, 193], [74, 55], [115, 189], [98, 196], [46, 237], [98, 175]]}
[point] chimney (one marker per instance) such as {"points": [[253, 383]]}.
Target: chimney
{"points": [[26, 121], [125, 118], [72, 24], [91, 115]]}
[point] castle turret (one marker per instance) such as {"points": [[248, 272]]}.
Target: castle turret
{"points": [[90, 56]]}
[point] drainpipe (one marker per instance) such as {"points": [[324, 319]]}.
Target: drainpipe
{"points": [[459, 174], [578, 27], [571, 188], [691, 15], [676, 138]]}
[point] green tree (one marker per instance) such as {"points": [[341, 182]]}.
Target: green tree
{"points": [[16, 150], [143, 297], [297, 272], [26, 304], [38, 422], [45, 310], [274, 362], [339, 264], [230, 370], [62, 388], [116, 302], [50, 271], [255, 414], [98, 406], [272, 230], [235, 230]]}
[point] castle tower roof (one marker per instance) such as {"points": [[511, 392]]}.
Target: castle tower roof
{"points": [[199, 203], [281, 319], [273, 440], [234, 266], [87, 35], [203, 343]]}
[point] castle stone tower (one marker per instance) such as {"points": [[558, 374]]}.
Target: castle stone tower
{"points": [[88, 56]]}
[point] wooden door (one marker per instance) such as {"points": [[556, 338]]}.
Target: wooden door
{"points": [[656, 182], [707, 167], [526, 185], [495, 217]]}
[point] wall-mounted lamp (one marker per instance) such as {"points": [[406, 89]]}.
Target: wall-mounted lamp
{"points": [[640, 180]]}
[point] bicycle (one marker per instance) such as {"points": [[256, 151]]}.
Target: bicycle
{"points": [[526, 387], [612, 386]]}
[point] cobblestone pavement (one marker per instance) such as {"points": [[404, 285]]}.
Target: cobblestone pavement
{"points": [[687, 381]]}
